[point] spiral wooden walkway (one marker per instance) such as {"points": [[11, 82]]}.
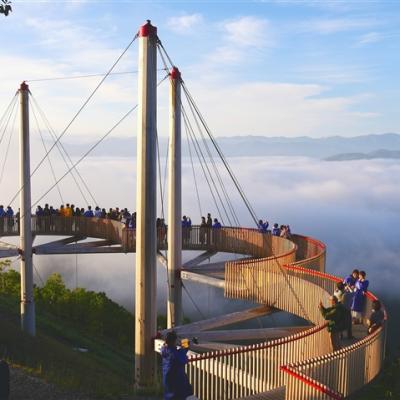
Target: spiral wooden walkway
{"points": [[278, 274]]}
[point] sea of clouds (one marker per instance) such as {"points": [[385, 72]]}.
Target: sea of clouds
{"points": [[353, 207]]}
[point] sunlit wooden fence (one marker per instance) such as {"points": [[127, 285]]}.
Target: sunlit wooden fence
{"points": [[339, 374], [315, 371], [285, 274]]}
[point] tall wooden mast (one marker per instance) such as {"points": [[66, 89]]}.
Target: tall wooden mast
{"points": [[146, 206]]}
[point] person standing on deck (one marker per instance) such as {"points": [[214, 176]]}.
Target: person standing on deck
{"points": [[335, 315], [350, 281], [376, 318], [10, 217], [203, 230], [175, 381], [345, 297], [276, 231], [360, 288], [88, 213]]}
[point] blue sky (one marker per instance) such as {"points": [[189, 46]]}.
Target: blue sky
{"points": [[273, 68]]}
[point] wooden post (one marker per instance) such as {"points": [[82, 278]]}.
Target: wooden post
{"points": [[174, 306], [146, 206], [27, 301]]}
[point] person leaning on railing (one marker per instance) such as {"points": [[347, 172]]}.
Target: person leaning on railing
{"points": [[336, 317], [377, 317]]}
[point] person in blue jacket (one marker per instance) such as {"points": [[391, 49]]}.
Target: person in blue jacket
{"points": [[175, 381], [360, 289]]}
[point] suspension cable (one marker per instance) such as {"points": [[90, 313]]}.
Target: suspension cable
{"points": [[193, 170], [200, 151], [188, 130], [4, 116], [236, 183], [9, 142], [160, 176], [92, 148], [193, 302], [162, 50], [166, 167], [62, 78], [251, 210], [45, 150], [79, 111], [219, 151], [61, 149], [86, 154], [218, 175]]}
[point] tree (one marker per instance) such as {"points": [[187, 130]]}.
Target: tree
{"points": [[5, 8]]}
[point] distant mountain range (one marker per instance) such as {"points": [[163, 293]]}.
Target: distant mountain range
{"points": [[367, 146], [390, 154]]}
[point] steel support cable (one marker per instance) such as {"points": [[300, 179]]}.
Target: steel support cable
{"points": [[62, 150], [275, 258], [193, 170], [63, 78], [219, 151], [237, 184], [162, 57], [198, 153], [92, 148], [248, 205], [193, 302], [4, 118], [7, 116], [165, 52], [37, 273], [8, 143], [230, 206], [218, 175], [45, 150], [79, 111], [206, 171], [166, 167], [86, 154], [161, 49], [209, 172], [160, 176]]}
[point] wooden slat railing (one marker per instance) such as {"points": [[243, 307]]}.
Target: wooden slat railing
{"points": [[253, 368], [244, 371], [227, 239], [339, 374], [311, 253]]}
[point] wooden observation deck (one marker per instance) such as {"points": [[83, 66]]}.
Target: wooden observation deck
{"points": [[278, 274]]}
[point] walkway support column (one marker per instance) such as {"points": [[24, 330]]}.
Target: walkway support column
{"points": [[146, 207], [174, 306], [27, 301]]}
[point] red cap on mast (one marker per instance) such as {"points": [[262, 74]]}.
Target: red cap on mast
{"points": [[175, 73], [147, 30]]}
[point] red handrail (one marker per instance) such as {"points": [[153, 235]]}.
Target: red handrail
{"points": [[314, 384], [248, 349], [313, 272]]}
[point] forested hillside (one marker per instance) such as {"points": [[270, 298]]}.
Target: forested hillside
{"points": [[84, 340]]}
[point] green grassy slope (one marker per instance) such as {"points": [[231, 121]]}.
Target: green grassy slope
{"points": [[68, 320]]}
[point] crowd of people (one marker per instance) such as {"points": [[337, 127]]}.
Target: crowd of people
{"points": [[282, 230], [348, 308]]}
